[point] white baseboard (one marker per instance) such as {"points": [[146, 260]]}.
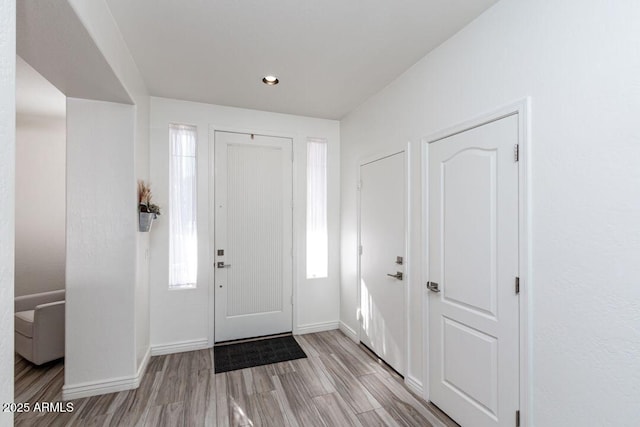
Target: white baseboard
{"points": [[414, 385], [310, 328], [348, 331], [113, 385], [143, 365], [77, 391], [179, 347]]}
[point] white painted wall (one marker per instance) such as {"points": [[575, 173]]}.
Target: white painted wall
{"points": [[40, 203], [142, 293], [184, 315], [580, 63], [101, 243], [7, 202], [99, 23]]}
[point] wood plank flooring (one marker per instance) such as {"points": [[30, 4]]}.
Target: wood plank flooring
{"points": [[339, 385]]}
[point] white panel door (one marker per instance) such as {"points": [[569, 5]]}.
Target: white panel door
{"points": [[253, 226], [382, 236], [473, 258]]}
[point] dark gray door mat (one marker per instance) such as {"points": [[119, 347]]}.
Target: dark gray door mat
{"points": [[230, 357]]}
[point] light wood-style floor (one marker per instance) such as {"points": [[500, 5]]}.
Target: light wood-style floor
{"points": [[339, 384]]}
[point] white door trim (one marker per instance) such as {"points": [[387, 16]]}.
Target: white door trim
{"points": [[295, 142], [522, 108], [379, 155]]}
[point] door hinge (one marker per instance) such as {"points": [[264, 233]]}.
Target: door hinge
{"points": [[517, 285], [516, 153], [360, 249], [518, 418], [359, 185]]}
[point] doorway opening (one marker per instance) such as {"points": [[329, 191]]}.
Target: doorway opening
{"points": [[40, 235]]}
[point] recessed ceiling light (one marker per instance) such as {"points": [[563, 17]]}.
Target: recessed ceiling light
{"points": [[270, 80]]}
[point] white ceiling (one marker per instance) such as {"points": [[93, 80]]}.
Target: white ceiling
{"points": [[35, 95], [330, 55]]}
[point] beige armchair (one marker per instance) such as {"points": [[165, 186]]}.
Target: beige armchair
{"points": [[39, 326]]}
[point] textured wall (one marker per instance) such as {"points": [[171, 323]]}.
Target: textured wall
{"points": [[580, 63], [7, 183], [99, 23], [101, 242]]}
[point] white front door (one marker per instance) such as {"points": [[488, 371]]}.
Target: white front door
{"points": [[382, 239], [473, 259], [253, 235]]}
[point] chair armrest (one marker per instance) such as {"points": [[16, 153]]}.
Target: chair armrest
{"points": [[30, 302], [48, 332], [48, 313]]}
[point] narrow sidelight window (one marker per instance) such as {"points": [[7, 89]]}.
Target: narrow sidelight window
{"points": [[317, 232], [183, 236]]}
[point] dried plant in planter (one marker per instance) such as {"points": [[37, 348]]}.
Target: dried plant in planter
{"points": [[144, 199]]}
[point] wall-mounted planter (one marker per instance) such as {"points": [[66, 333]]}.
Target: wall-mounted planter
{"points": [[146, 220]]}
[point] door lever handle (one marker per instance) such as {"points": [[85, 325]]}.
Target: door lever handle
{"points": [[433, 287], [398, 275], [221, 264]]}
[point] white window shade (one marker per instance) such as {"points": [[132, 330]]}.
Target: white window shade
{"points": [[183, 236], [317, 232]]}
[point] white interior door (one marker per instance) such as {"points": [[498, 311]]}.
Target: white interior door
{"points": [[473, 258], [253, 228], [382, 239]]}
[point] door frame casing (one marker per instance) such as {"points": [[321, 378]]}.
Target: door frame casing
{"points": [[364, 160], [213, 128], [522, 109]]}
